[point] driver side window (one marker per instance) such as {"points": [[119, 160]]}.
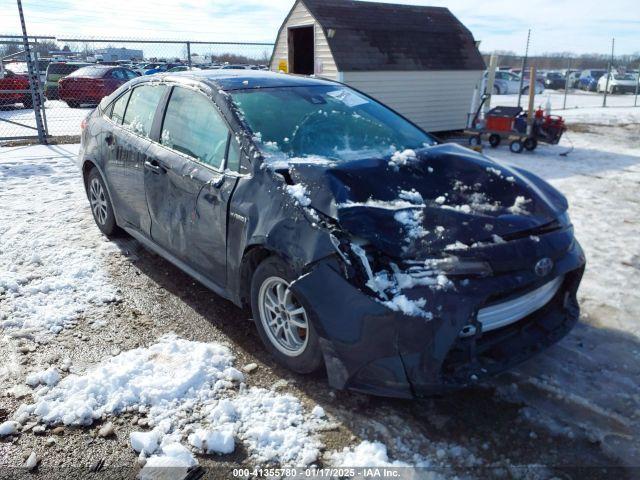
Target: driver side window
{"points": [[193, 126]]}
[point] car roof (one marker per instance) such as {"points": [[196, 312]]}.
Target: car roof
{"points": [[229, 80]]}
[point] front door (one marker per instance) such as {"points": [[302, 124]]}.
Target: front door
{"points": [[186, 188]]}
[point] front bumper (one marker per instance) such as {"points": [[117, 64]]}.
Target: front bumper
{"points": [[370, 348]]}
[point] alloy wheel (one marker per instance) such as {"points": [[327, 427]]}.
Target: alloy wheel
{"points": [[98, 200], [283, 318]]}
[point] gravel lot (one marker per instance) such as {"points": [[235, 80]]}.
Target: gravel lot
{"points": [[573, 412]]}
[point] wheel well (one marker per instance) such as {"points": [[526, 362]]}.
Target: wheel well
{"points": [[87, 167], [251, 258]]}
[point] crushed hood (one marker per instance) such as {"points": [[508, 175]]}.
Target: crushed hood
{"points": [[442, 198]]}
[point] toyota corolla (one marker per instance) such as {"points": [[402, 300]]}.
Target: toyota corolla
{"points": [[358, 242]]}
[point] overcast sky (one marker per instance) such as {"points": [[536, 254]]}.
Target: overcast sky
{"points": [[580, 26]]}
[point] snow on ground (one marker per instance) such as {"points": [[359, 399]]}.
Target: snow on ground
{"points": [[187, 390], [588, 384], [50, 270], [581, 107]]}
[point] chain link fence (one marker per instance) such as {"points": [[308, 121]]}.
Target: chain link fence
{"points": [[74, 74], [568, 82]]}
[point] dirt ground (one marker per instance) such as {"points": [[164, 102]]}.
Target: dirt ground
{"points": [[474, 433]]}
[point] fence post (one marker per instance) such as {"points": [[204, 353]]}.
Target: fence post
{"points": [[606, 86], [33, 79], [566, 85], [635, 101], [189, 54]]}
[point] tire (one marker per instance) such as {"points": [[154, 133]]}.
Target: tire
{"points": [[73, 104], [525, 91], [27, 102], [516, 146], [270, 302], [475, 140], [494, 140], [496, 90], [530, 144], [101, 206]]}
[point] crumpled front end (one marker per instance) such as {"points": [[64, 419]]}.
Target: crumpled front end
{"points": [[477, 327]]}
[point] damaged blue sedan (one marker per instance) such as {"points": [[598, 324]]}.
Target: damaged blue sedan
{"points": [[359, 243]]}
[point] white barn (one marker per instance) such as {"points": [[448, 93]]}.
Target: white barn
{"points": [[421, 61]]}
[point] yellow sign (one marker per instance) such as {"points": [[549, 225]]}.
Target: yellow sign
{"points": [[283, 67]]}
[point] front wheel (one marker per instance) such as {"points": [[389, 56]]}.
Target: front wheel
{"points": [[101, 206], [27, 102], [73, 104], [494, 140], [283, 323]]}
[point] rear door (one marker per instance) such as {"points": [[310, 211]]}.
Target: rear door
{"points": [[126, 146], [186, 186]]}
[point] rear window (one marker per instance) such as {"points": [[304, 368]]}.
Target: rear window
{"points": [[95, 72], [62, 68], [142, 108]]}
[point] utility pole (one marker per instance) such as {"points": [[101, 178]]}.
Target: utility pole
{"points": [[606, 87], [33, 80], [524, 64]]}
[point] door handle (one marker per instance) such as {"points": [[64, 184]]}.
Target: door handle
{"points": [[155, 167]]}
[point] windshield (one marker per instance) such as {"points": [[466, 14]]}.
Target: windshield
{"points": [[326, 121], [94, 72], [624, 77]]}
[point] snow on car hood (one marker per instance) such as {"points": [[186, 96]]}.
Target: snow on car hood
{"points": [[421, 202]]}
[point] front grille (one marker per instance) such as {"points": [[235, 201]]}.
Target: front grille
{"points": [[505, 313]]}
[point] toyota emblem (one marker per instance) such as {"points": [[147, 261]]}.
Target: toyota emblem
{"points": [[544, 267]]}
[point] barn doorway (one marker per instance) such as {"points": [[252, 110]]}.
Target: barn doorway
{"points": [[301, 52]]}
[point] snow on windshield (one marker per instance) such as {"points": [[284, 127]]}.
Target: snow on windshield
{"points": [[326, 121]]}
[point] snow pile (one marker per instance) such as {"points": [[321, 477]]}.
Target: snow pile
{"points": [[300, 193], [189, 392], [519, 206], [173, 463], [411, 220], [401, 158], [365, 454], [8, 428], [48, 254], [213, 441], [48, 377], [171, 372]]}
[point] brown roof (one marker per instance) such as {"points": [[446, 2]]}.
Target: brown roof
{"points": [[382, 36]]}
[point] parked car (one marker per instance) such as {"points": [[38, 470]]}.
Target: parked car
{"points": [[574, 78], [163, 67], [358, 242], [618, 83], [182, 68], [509, 83], [10, 81], [236, 67], [554, 81], [89, 85], [55, 72], [588, 80]]}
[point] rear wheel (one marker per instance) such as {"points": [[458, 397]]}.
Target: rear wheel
{"points": [[283, 323], [475, 140], [494, 140], [496, 90], [27, 102], [516, 146], [73, 104], [530, 144], [101, 206]]}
